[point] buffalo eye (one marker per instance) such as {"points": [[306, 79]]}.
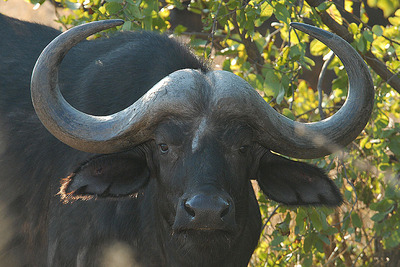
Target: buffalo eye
{"points": [[163, 148], [243, 149]]}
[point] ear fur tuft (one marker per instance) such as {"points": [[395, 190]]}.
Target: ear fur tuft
{"points": [[107, 176]]}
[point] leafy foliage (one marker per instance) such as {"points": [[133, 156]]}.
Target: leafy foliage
{"points": [[239, 37]]}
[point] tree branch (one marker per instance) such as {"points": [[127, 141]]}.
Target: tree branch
{"points": [[254, 56]]}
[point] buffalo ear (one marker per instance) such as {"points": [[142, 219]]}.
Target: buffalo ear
{"points": [[105, 176], [296, 183]]}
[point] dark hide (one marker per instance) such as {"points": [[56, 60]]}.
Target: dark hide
{"points": [[182, 199]]}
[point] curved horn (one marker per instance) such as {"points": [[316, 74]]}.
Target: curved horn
{"points": [[303, 140], [102, 134], [312, 140]]}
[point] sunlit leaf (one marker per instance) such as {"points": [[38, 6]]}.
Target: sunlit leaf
{"points": [[272, 84]]}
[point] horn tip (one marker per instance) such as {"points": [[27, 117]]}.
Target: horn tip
{"points": [[115, 22], [301, 26], [311, 30]]}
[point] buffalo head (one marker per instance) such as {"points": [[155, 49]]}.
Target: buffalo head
{"points": [[191, 145]]}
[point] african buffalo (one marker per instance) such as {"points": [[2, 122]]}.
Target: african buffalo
{"points": [[168, 176]]}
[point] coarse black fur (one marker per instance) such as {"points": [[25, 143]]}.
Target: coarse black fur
{"points": [[143, 199]]}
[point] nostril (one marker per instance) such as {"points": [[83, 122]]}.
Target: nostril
{"points": [[225, 210], [189, 209], [208, 208]]}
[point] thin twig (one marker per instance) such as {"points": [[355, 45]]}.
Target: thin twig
{"points": [[215, 36], [292, 87], [354, 190], [394, 76], [319, 85], [59, 17], [269, 218], [213, 29], [362, 251]]}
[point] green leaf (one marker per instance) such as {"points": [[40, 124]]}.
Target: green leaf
{"points": [[308, 261], [283, 227], [382, 206], [255, 80], [309, 241], [378, 217], [300, 223], [282, 13], [384, 166], [355, 219], [319, 244], [392, 192], [317, 48], [368, 36], [115, 1], [280, 95], [324, 6], [360, 43], [135, 11], [272, 84], [288, 113], [34, 2], [258, 22], [102, 9], [232, 4], [393, 240], [394, 21], [394, 145], [377, 30], [266, 11], [178, 4], [127, 26], [316, 220], [381, 215], [353, 28], [324, 239], [330, 231], [309, 62], [112, 8], [179, 29], [388, 6], [278, 239]]}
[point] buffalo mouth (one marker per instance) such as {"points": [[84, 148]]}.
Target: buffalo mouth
{"points": [[209, 240], [205, 233], [204, 237], [215, 244], [227, 230]]}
